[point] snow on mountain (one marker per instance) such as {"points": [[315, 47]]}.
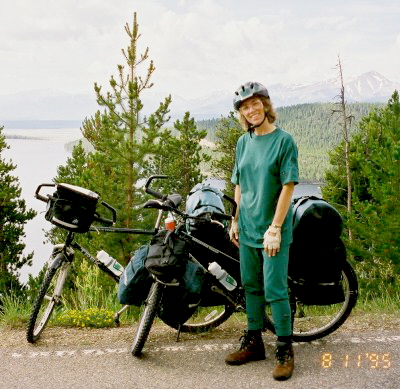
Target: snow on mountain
{"points": [[368, 87], [49, 104], [213, 105]]}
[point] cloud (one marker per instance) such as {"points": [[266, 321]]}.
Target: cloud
{"points": [[197, 46]]}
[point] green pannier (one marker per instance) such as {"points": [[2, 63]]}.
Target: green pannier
{"points": [[135, 281]]}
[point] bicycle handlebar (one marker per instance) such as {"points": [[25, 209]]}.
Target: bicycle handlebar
{"points": [[152, 191], [105, 220], [39, 196], [233, 202], [99, 218]]}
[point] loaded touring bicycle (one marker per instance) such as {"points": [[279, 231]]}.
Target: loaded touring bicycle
{"points": [[171, 277]]}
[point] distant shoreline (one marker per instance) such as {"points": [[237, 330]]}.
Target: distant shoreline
{"points": [[40, 124], [9, 136]]}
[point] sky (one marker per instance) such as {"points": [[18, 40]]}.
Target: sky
{"points": [[198, 46]]}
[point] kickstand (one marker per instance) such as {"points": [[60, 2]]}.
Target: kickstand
{"points": [[179, 333]]}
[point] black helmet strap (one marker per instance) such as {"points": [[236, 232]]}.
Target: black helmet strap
{"points": [[251, 128]]}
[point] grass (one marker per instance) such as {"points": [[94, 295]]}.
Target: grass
{"points": [[92, 305], [16, 311], [384, 304]]}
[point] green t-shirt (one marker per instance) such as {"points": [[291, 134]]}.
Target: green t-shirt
{"points": [[263, 164]]}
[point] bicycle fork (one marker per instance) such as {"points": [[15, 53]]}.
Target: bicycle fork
{"points": [[62, 257]]}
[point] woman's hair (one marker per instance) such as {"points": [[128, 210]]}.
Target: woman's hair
{"points": [[269, 111]]}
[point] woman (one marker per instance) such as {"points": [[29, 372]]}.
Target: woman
{"points": [[265, 173]]}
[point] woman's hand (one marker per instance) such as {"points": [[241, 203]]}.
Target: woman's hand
{"points": [[272, 240], [234, 233]]}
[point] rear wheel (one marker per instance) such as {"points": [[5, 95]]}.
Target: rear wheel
{"points": [[48, 299], [203, 318], [146, 319], [316, 321]]}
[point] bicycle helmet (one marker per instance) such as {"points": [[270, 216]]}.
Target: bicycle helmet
{"points": [[249, 89]]}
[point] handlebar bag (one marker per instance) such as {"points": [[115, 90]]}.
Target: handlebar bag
{"points": [[72, 207], [317, 252], [166, 256], [135, 281]]}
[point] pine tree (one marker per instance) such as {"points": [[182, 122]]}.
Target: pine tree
{"points": [[125, 146], [120, 133], [228, 132], [375, 167], [180, 156], [123, 141], [380, 164], [13, 216]]}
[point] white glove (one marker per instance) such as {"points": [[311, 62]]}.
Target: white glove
{"points": [[272, 240], [234, 231]]}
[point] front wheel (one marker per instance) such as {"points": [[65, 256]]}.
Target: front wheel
{"points": [[146, 319], [312, 322], [48, 298]]}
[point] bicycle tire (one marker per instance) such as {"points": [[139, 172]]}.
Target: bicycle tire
{"points": [[203, 319], [309, 327], [146, 319], [48, 298]]}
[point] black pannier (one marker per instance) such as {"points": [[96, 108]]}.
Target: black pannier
{"points": [[317, 252], [313, 214], [178, 301], [72, 207], [167, 255]]}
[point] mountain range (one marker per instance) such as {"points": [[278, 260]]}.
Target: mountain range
{"points": [[369, 87], [57, 105]]}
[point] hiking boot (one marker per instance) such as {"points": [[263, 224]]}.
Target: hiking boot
{"points": [[285, 361], [251, 349]]}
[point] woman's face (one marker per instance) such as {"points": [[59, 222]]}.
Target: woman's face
{"points": [[253, 110]]}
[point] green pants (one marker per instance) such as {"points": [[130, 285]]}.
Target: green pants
{"points": [[264, 279]]}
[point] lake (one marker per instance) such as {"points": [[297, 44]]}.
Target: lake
{"points": [[37, 159]]}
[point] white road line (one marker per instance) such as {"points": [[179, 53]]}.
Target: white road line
{"points": [[182, 348]]}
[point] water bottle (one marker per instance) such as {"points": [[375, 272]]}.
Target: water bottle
{"points": [[169, 222], [223, 277], [111, 263]]}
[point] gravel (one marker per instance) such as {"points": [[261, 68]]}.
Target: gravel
{"points": [[122, 336]]}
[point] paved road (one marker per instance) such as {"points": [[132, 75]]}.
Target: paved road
{"points": [[343, 361]]}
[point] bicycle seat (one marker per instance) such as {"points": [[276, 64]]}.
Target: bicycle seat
{"points": [[171, 201]]}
